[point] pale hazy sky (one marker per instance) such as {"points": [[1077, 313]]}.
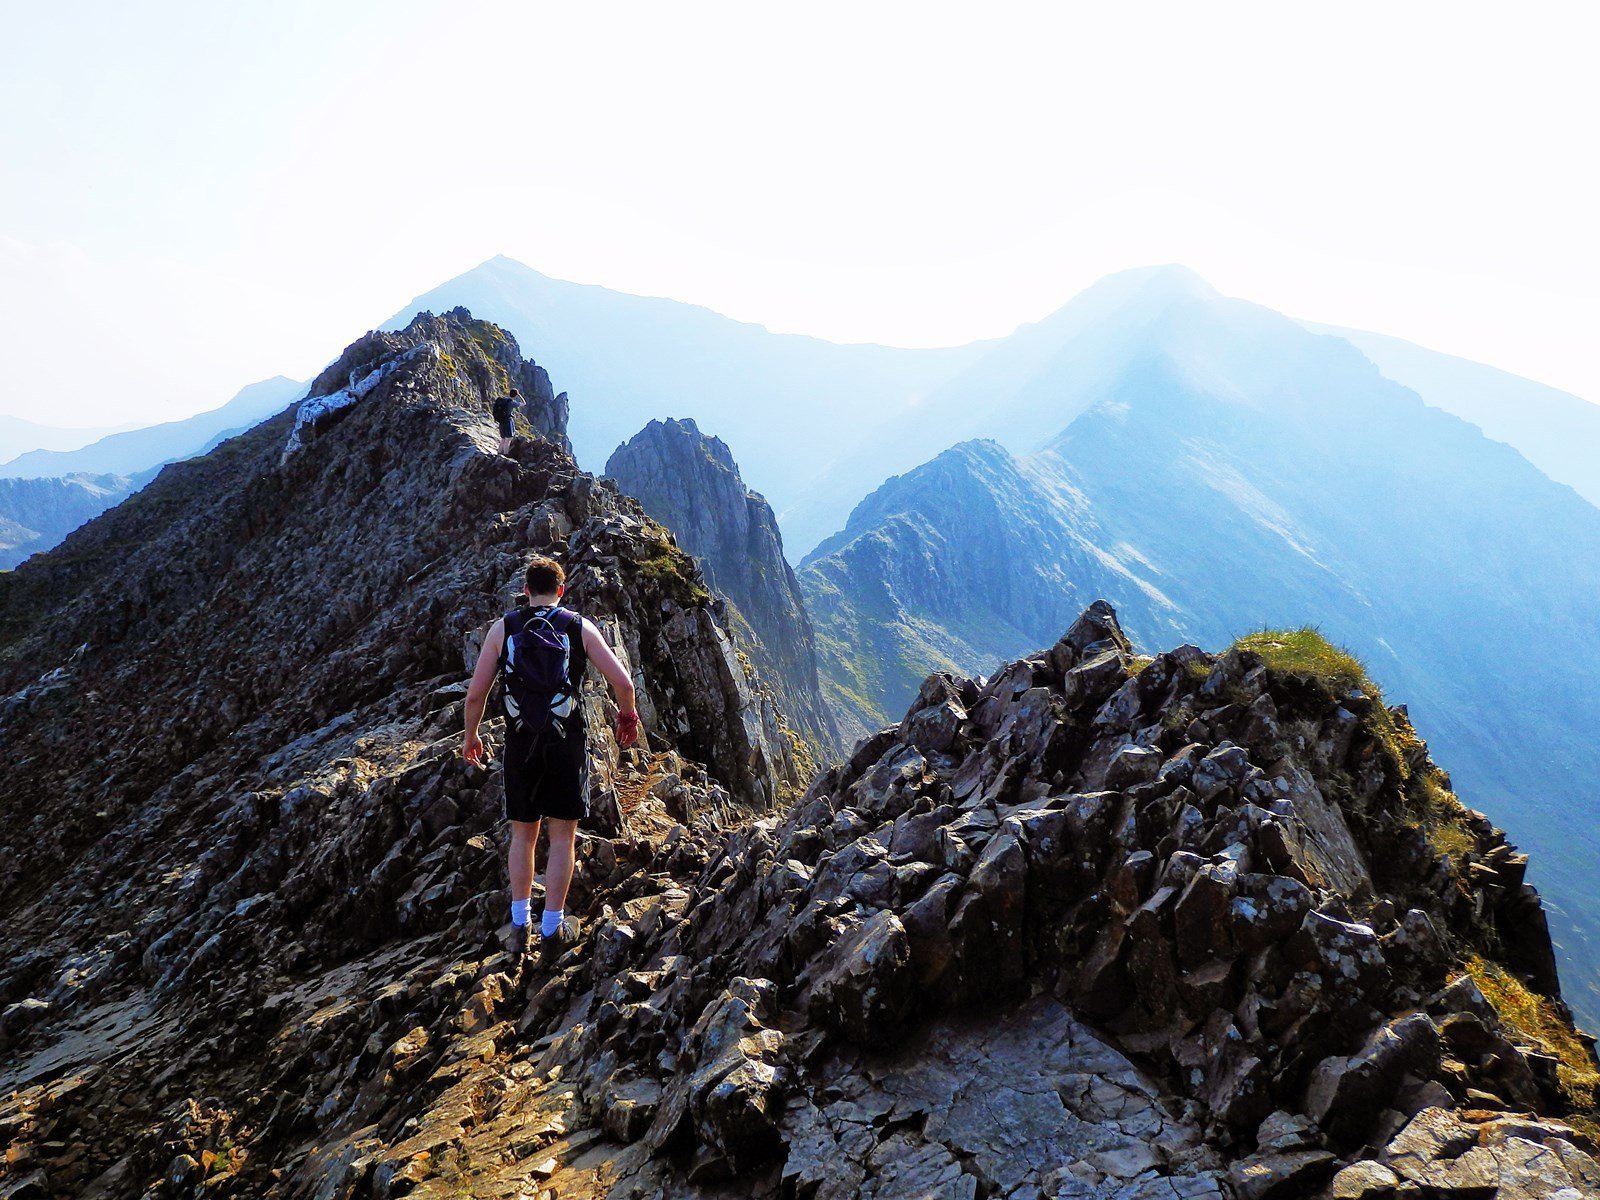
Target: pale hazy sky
{"points": [[196, 195]]}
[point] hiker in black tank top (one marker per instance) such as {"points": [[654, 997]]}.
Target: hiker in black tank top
{"points": [[540, 653]]}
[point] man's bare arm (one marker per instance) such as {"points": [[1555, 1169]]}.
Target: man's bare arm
{"points": [[478, 690], [616, 674]]}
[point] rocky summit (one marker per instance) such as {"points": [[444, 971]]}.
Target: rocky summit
{"points": [[1097, 926]]}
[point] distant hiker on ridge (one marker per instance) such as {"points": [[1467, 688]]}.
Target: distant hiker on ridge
{"points": [[505, 415], [540, 652]]}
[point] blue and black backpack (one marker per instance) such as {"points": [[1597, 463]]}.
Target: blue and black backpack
{"points": [[541, 667]]}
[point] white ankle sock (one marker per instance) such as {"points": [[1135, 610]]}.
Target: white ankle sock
{"points": [[551, 922], [519, 912]]}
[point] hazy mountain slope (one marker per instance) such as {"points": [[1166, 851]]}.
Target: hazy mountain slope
{"points": [[1020, 393], [35, 514], [141, 449], [689, 482], [955, 566], [18, 436], [1554, 430], [814, 425], [786, 404], [1262, 475]]}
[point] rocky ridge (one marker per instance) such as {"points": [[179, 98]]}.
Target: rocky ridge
{"points": [[689, 482], [274, 832], [961, 565]]}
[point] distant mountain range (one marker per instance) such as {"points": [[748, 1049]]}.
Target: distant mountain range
{"points": [[1554, 430], [136, 450], [46, 492], [788, 406], [1208, 465], [18, 436], [815, 425]]}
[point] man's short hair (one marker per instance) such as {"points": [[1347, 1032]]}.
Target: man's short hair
{"points": [[544, 576], [514, 392]]}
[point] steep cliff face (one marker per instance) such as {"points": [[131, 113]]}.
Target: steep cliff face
{"points": [[35, 514], [689, 482], [230, 791]]}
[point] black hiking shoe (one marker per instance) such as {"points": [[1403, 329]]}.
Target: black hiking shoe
{"points": [[520, 943], [558, 943]]}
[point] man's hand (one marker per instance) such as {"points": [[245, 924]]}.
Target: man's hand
{"points": [[472, 748], [627, 729]]}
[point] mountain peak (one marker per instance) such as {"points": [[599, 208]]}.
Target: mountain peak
{"points": [[1171, 277], [1144, 287]]}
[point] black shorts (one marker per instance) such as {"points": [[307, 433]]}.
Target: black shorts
{"points": [[505, 425], [547, 776]]}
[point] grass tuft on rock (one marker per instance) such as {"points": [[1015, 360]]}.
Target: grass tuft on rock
{"points": [[1440, 814], [667, 568], [1536, 1019], [1305, 651]]}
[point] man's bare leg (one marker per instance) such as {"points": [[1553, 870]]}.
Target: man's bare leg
{"points": [[558, 872], [519, 865], [505, 447]]}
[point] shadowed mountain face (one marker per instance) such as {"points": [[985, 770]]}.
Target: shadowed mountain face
{"points": [[689, 482], [1251, 474]]}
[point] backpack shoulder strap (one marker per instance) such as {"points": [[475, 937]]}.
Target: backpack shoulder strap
{"points": [[511, 624], [571, 624]]}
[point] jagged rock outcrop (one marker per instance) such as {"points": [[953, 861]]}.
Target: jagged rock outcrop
{"points": [[234, 829], [1222, 470], [689, 482], [1096, 926]]}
